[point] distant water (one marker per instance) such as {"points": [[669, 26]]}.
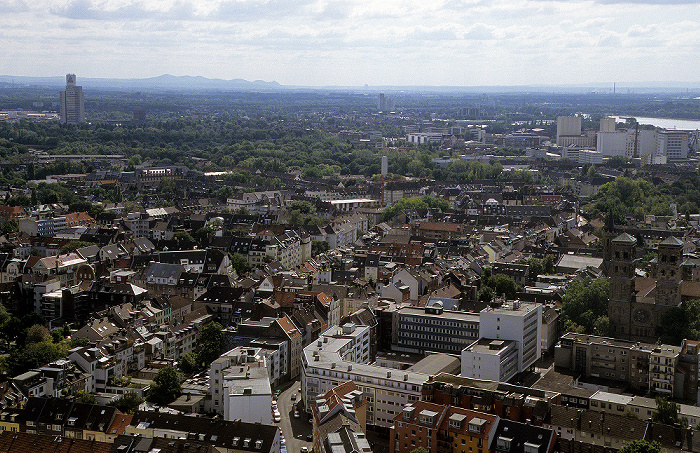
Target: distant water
{"points": [[666, 123]]}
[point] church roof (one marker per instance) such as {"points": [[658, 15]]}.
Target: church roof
{"points": [[671, 240], [625, 238]]}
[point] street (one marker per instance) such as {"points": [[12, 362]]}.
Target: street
{"points": [[294, 430]]}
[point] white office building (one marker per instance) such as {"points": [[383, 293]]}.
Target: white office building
{"points": [[491, 360], [342, 354], [516, 321], [674, 145]]}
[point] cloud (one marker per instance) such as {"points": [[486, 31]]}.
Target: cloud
{"points": [[13, 6]]}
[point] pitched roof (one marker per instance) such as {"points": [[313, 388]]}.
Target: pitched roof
{"points": [[625, 238], [23, 442], [671, 240]]}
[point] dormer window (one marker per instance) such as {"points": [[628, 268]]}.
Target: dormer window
{"points": [[503, 443], [530, 448]]}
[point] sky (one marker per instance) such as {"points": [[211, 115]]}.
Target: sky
{"points": [[357, 42]]}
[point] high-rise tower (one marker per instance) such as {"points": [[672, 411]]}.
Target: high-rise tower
{"points": [[72, 102]]}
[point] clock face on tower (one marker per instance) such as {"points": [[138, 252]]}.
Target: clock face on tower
{"points": [[641, 316]]}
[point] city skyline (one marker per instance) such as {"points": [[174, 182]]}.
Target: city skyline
{"points": [[323, 43]]}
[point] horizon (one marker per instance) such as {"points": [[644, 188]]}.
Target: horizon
{"points": [[327, 43], [171, 80]]}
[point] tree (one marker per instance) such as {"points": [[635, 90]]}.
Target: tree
{"points": [[189, 363], [210, 343], [240, 264], [502, 284], [72, 246], [85, 397], [414, 203], [419, 450], [319, 247], [166, 386], [303, 206], [38, 334], [680, 323], [183, 236], [202, 234], [667, 412], [641, 446], [584, 302], [486, 294], [129, 402], [167, 186]]}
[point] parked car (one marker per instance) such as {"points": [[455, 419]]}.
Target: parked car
{"points": [[309, 437], [304, 450], [296, 414], [294, 396]]}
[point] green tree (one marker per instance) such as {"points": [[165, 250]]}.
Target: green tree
{"points": [[85, 397], [584, 302], [414, 203], [486, 294], [240, 264], [18, 200], [209, 343], [183, 236], [38, 334], [166, 386], [419, 450], [303, 206], [189, 363], [72, 246], [548, 264], [667, 412], [167, 186], [536, 267], [319, 247], [202, 235], [502, 284], [641, 446], [680, 323], [129, 402]]}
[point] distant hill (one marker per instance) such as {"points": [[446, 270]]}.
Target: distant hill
{"points": [[163, 82]]}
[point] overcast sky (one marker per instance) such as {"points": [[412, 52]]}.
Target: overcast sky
{"points": [[357, 42]]}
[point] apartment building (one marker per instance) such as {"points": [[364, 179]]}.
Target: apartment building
{"points": [[240, 386], [342, 354]]}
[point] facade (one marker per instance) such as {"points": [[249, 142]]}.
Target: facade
{"points": [[674, 145], [607, 358], [72, 102], [343, 354], [240, 386], [635, 316], [493, 360], [517, 321], [568, 126], [433, 329]]}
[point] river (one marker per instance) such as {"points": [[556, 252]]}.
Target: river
{"points": [[666, 123]]}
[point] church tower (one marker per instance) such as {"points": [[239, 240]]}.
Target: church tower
{"points": [[608, 235], [622, 252], [667, 272]]}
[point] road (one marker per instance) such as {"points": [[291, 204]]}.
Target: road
{"points": [[293, 428]]}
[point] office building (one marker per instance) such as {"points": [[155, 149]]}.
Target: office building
{"points": [[672, 144], [72, 102]]}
